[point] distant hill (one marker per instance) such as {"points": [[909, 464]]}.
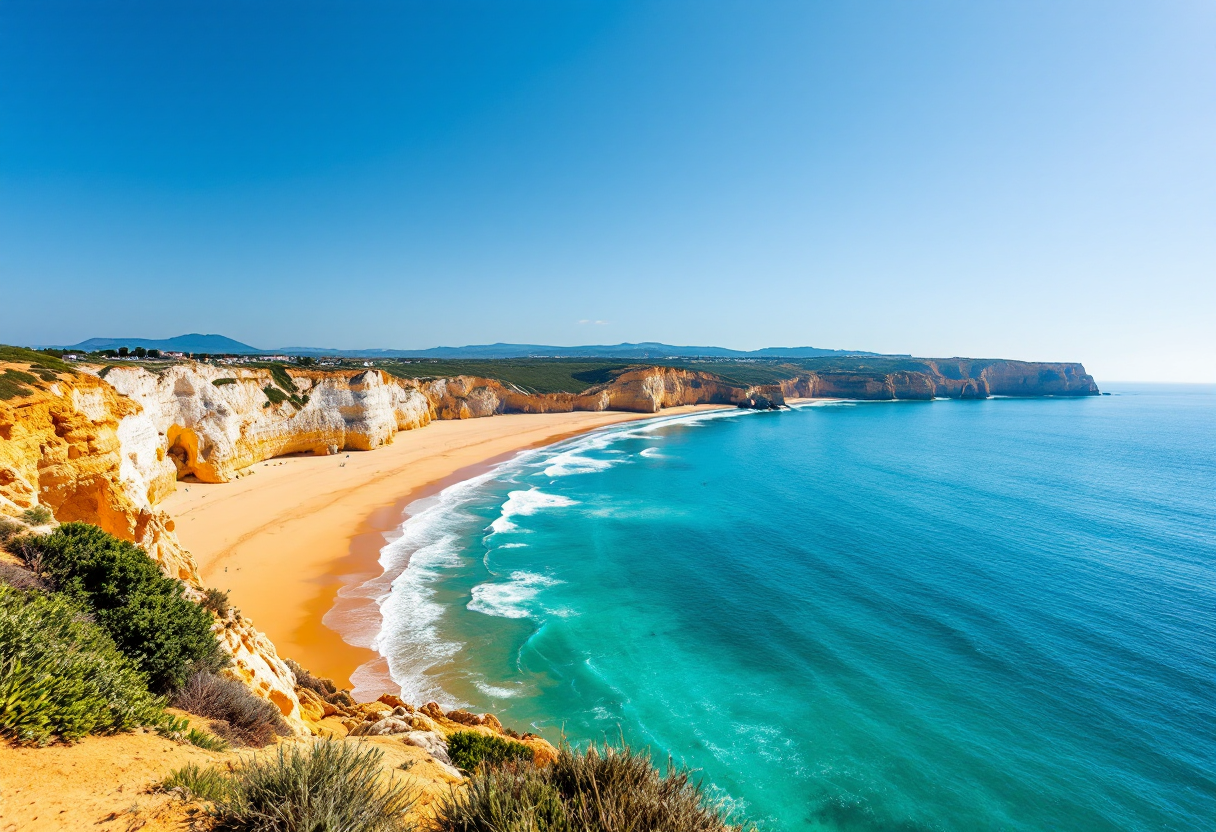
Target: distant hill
{"points": [[647, 350], [211, 344]]}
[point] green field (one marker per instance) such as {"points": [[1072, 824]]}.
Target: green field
{"points": [[535, 375]]}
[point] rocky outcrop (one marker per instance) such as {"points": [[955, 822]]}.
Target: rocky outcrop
{"points": [[427, 727]]}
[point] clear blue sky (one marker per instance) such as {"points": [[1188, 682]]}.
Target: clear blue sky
{"points": [[1020, 179]]}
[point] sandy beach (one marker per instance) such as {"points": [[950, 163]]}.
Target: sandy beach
{"points": [[284, 540]]}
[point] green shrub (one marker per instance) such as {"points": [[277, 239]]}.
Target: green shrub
{"points": [[197, 783], [602, 789], [61, 675], [220, 382], [37, 516], [216, 601], [329, 785], [240, 716], [275, 395], [468, 749], [144, 612]]}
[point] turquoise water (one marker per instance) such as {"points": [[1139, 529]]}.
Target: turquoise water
{"points": [[873, 616]]}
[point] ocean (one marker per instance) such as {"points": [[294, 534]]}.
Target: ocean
{"points": [[909, 616]]}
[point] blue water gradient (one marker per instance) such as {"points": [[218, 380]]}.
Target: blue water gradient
{"points": [[994, 615]]}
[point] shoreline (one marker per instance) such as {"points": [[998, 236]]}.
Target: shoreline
{"points": [[286, 540]]}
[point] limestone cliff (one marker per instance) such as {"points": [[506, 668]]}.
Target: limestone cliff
{"points": [[211, 423], [77, 447], [955, 378]]}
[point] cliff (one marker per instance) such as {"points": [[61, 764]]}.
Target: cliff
{"points": [[210, 423], [77, 447], [954, 378]]}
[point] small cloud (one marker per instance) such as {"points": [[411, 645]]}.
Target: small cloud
{"points": [[586, 321]]}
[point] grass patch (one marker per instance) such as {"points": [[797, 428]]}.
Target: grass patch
{"points": [[34, 358], [61, 675], [328, 785], [281, 377], [602, 789], [220, 382], [275, 395], [205, 741], [14, 383], [535, 375], [469, 749], [240, 717], [198, 783], [145, 613]]}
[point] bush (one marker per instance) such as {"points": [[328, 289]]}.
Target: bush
{"points": [[20, 578], [144, 612], [240, 716], [216, 601], [9, 529], [37, 516], [220, 382], [317, 684], [329, 785], [600, 790], [469, 749], [61, 675]]}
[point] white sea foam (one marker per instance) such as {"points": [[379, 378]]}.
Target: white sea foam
{"points": [[524, 504], [510, 599], [426, 544], [495, 692], [651, 453], [573, 462], [405, 632]]}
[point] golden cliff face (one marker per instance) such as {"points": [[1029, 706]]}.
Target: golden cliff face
{"points": [[214, 422], [91, 455]]}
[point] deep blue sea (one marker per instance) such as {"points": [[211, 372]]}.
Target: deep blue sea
{"points": [[910, 616]]}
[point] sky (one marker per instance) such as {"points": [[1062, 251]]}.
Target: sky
{"points": [[1032, 180]]}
